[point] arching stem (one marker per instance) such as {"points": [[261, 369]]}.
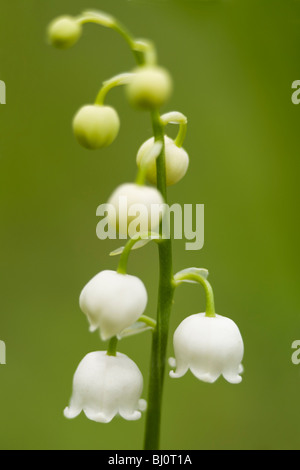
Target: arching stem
{"points": [[148, 321], [122, 267], [118, 80], [143, 50], [175, 117], [210, 301]]}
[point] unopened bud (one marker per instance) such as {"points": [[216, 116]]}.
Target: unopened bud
{"points": [[64, 32], [177, 161], [150, 87], [96, 126]]}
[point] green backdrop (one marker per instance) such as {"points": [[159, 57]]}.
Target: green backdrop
{"points": [[233, 64]]}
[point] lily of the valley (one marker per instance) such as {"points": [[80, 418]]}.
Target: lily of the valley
{"points": [[104, 386], [209, 347], [177, 161], [113, 302], [133, 208]]}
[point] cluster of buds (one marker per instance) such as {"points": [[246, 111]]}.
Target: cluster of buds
{"points": [[108, 383]]}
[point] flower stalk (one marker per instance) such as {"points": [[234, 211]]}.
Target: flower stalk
{"points": [[210, 300], [119, 80], [112, 346], [114, 301], [165, 299]]}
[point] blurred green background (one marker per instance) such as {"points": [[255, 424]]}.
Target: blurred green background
{"points": [[233, 64]]}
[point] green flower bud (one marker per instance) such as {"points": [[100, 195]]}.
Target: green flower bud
{"points": [[96, 126], [64, 32], [177, 161], [150, 87]]}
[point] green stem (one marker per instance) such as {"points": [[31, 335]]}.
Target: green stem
{"points": [[92, 17], [165, 299], [112, 346], [122, 267], [175, 117], [148, 321], [141, 176], [210, 301], [181, 135], [118, 80]]}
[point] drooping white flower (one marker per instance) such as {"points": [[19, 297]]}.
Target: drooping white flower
{"points": [[209, 347], [113, 302], [177, 161], [133, 208], [104, 386]]}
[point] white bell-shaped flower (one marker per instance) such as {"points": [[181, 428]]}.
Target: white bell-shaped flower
{"points": [[209, 347], [113, 302], [134, 208], [177, 161], [104, 386]]}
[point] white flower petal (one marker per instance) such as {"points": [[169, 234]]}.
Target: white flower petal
{"points": [[130, 415], [232, 378], [133, 209], [72, 412], [105, 386], [99, 417], [209, 347], [180, 372], [205, 376], [172, 362], [142, 405], [113, 302]]}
